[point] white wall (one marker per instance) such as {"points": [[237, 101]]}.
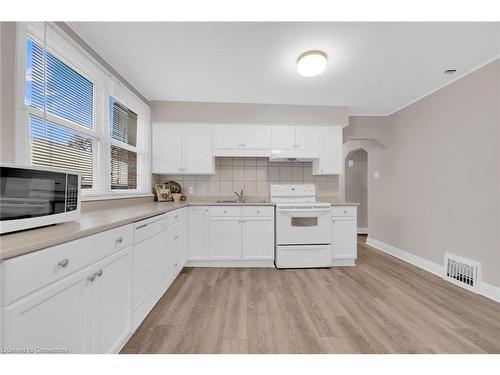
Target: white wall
{"points": [[7, 90], [439, 186]]}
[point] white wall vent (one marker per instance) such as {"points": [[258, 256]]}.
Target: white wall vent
{"points": [[462, 272]]}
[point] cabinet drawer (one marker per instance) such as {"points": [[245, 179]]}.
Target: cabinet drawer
{"points": [[149, 227], [175, 263], [27, 273], [225, 211], [344, 211], [106, 243], [258, 211], [177, 236], [176, 216]]}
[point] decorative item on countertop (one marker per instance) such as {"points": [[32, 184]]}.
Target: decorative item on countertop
{"points": [[162, 193], [175, 189], [183, 198]]}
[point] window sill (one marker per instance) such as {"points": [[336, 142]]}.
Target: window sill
{"points": [[90, 198]]}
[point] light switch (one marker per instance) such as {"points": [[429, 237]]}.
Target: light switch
{"points": [[376, 175], [350, 163], [191, 190]]}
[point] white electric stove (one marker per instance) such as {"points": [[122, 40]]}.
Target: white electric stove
{"points": [[303, 228]]}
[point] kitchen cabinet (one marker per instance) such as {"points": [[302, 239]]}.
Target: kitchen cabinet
{"points": [[225, 238], [182, 149], [198, 230], [241, 140], [330, 161], [111, 282], [283, 137], [307, 137], [241, 233], [56, 316], [258, 238], [150, 257], [344, 233]]}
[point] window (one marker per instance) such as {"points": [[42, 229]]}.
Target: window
{"points": [[123, 132], [78, 117], [56, 90]]}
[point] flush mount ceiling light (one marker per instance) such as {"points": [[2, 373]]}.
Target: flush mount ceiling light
{"points": [[311, 63]]}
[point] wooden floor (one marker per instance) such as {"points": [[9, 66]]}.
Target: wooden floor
{"points": [[383, 305]]}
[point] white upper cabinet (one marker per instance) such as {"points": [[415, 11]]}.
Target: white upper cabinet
{"points": [[330, 158], [197, 142], [283, 137], [307, 137], [256, 137], [167, 148], [227, 137], [182, 149], [241, 140]]}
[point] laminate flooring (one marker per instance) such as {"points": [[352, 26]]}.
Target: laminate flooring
{"points": [[382, 305]]}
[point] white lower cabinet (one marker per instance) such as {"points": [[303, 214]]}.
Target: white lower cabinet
{"points": [[344, 233], [55, 317], [198, 231], [111, 283], [258, 238], [225, 238], [241, 237]]}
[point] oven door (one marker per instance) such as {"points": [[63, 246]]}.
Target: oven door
{"points": [[308, 226]]}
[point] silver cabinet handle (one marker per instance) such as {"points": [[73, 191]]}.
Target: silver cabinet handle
{"points": [[176, 264], [176, 237], [345, 211], [258, 211], [99, 273], [91, 278], [225, 211], [176, 216], [63, 263], [118, 241], [142, 226]]}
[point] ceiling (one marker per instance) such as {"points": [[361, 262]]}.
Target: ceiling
{"points": [[373, 68]]}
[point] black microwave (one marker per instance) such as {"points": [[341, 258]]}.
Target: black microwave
{"points": [[32, 197]]}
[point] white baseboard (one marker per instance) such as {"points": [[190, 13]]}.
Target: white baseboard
{"points": [[485, 289], [343, 262], [362, 230]]}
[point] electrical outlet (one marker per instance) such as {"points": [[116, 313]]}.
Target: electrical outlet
{"points": [[376, 175], [191, 190], [350, 163]]}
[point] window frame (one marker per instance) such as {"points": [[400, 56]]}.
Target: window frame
{"points": [[104, 86]]}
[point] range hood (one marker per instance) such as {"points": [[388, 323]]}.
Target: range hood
{"points": [[293, 155]]}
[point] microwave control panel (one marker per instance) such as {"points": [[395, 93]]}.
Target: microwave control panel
{"points": [[71, 192]]}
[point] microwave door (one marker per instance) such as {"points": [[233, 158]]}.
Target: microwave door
{"points": [[17, 209]]}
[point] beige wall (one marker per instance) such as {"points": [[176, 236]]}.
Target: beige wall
{"points": [[7, 90], [166, 111], [356, 189], [440, 174]]}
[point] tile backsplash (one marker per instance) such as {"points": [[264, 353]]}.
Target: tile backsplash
{"points": [[253, 175]]}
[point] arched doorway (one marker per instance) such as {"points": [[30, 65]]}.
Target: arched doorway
{"points": [[356, 185]]}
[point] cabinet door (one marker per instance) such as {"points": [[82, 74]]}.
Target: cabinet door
{"points": [[57, 316], [112, 302], [307, 137], [330, 159], [150, 264], [225, 238], [198, 233], [258, 238], [227, 136], [257, 137], [344, 233], [283, 137], [198, 158], [167, 148]]}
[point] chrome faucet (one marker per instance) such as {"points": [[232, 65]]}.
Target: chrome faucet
{"points": [[240, 196]]}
